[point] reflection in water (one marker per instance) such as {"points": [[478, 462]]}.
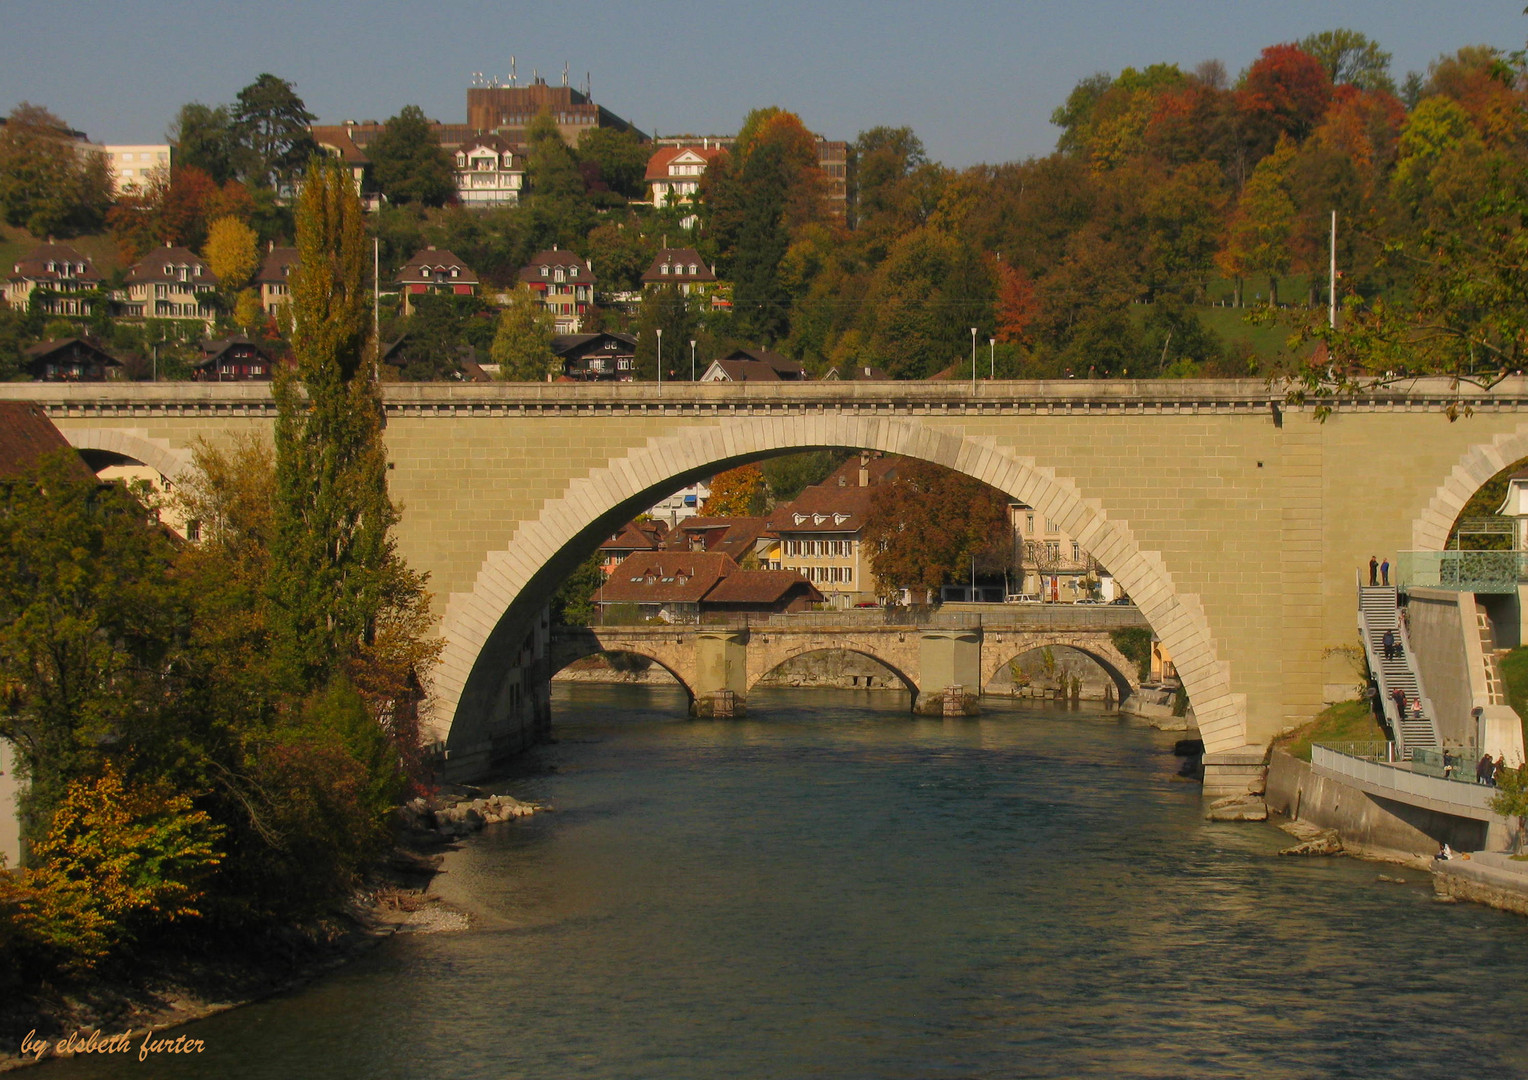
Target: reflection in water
{"points": [[832, 888]]}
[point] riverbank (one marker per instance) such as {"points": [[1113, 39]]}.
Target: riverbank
{"points": [[165, 988]]}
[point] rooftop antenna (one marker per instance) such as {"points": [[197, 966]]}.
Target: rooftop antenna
{"points": [[565, 73], [589, 85], [512, 71]]}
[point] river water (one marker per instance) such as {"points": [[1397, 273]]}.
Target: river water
{"points": [[831, 888]]}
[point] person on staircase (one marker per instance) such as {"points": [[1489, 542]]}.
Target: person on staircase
{"points": [[1389, 644], [1384, 571], [1373, 571]]}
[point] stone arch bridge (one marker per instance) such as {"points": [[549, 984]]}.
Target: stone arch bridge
{"points": [[1236, 522], [944, 650]]}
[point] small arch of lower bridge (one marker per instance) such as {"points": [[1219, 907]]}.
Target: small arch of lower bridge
{"points": [[757, 671], [1004, 647], [671, 650]]}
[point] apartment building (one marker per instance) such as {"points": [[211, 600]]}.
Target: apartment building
{"points": [[564, 283], [170, 283]]}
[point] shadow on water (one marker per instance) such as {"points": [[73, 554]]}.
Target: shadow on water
{"points": [[833, 887]]}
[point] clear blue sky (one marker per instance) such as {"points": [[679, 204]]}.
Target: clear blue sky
{"points": [[977, 81]]}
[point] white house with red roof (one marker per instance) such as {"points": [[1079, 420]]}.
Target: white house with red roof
{"points": [[674, 172], [490, 171]]}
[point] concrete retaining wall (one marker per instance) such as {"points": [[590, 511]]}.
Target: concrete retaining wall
{"points": [[1369, 825], [1437, 626], [10, 823]]}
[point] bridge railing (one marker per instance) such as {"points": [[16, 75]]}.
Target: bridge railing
{"points": [[1037, 616]]}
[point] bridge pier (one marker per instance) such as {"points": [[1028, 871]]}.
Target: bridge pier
{"points": [[721, 671], [948, 658]]}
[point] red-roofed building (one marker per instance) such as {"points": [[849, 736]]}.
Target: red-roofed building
{"points": [[679, 266], [434, 271], [274, 278], [754, 365], [819, 532], [634, 536], [69, 360], [490, 171], [680, 587], [170, 283], [58, 274], [564, 283], [674, 172]]}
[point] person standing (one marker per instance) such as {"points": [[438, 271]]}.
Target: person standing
{"points": [[1384, 571], [1389, 644], [1373, 571], [1399, 697]]}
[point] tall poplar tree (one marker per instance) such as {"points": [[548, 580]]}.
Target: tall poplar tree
{"points": [[332, 557]]}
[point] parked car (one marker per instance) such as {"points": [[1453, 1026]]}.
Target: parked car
{"points": [[1123, 601]]}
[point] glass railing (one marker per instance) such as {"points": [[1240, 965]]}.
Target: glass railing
{"points": [[1464, 571], [1368, 751], [1454, 763]]}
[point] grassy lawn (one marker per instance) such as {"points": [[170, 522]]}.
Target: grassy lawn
{"points": [[1346, 721], [1514, 672]]}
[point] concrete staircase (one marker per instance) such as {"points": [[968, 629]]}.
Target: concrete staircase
{"points": [[1378, 612], [1496, 688]]}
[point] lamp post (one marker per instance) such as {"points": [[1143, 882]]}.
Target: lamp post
{"points": [[992, 358], [660, 356], [692, 359], [973, 359]]}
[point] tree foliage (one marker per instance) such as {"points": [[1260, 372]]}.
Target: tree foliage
{"points": [[48, 183], [925, 526], [231, 253], [408, 163], [522, 342], [270, 132], [738, 492]]}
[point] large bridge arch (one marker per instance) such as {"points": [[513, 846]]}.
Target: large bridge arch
{"points": [[485, 626], [170, 462], [1480, 462]]}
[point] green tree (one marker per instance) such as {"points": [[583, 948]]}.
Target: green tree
{"points": [[48, 185], [270, 132], [573, 604], [620, 157], [408, 163], [89, 626], [331, 553], [664, 308], [554, 187], [231, 253], [927, 523], [924, 298], [1350, 57], [522, 344], [203, 137], [1511, 800]]}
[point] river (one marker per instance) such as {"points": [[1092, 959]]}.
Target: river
{"points": [[831, 888]]}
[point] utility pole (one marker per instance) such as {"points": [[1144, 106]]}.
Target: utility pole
{"points": [[692, 359], [1331, 279], [973, 360], [991, 358], [660, 356], [376, 307]]}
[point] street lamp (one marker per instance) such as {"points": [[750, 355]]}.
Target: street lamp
{"points": [[973, 359], [992, 357], [692, 359], [660, 356]]}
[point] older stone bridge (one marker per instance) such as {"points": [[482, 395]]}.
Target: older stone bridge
{"points": [[1235, 522], [943, 650]]}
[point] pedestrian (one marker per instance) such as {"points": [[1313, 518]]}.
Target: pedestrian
{"points": [[1384, 571], [1373, 571], [1399, 697], [1389, 644], [1483, 769]]}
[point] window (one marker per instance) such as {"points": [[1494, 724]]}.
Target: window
{"points": [[1053, 548], [558, 276], [692, 269], [545, 271], [1029, 524], [849, 575], [572, 271], [664, 269], [1076, 551]]}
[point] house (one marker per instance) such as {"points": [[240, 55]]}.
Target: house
{"points": [[564, 283], [737, 538], [754, 365], [679, 266], [674, 172], [760, 592], [857, 373], [69, 360], [634, 536], [489, 172], [681, 587], [434, 271], [666, 585], [682, 504], [819, 533], [234, 359], [133, 168], [347, 143], [509, 109], [274, 278], [833, 160], [170, 283], [56, 277], [602, 357], [1055, 568]]}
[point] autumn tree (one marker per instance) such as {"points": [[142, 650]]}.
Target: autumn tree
{"points": [[738, 492], [1284, 93], [231, 253], [1258, 241], [925, 526], [1350, 57], [522, 344], [1018, 305], [48, 183], [408, 163]]}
